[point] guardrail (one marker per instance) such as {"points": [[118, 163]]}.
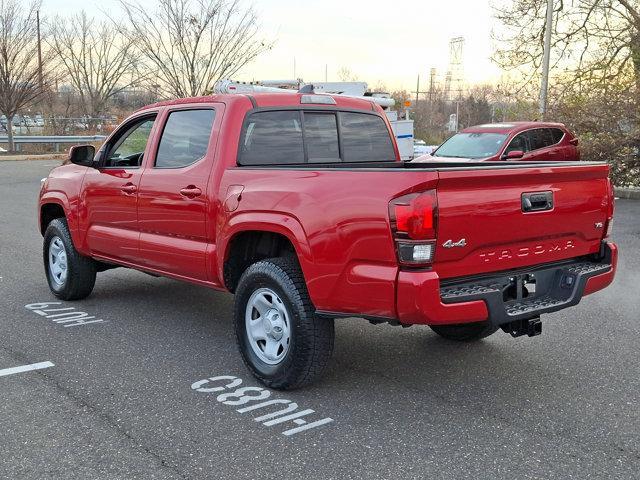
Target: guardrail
{"points": [[56, 140]]}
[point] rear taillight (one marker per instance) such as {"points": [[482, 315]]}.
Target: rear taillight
{"points": [[414, 219]]}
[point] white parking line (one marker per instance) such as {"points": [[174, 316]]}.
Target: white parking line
{"points": [[25, 368]]}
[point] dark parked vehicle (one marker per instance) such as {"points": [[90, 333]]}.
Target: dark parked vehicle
{"points": [[527, 141]]}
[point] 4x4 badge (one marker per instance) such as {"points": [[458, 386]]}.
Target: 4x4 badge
{"points": [[450, 243]]}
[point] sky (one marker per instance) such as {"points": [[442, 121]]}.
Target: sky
{"points": [[379, 41]]}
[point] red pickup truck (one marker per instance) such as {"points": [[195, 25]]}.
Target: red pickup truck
{"points": [[299, 204]]}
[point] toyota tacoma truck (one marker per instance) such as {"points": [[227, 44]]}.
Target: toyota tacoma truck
{"points": [[299, 205]]}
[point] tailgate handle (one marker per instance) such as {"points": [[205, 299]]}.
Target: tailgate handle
{"points": [[537, 201]]}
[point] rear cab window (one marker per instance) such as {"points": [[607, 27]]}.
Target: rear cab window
{"points": [[272, 138], [321, 130], [281, 137], [365, 138]]}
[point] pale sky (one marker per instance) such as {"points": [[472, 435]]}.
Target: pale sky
{"points": [[379, 41]]}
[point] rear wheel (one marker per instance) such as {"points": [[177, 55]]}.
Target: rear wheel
{"points": [[71, 276], [465, 332], [280, 338]]}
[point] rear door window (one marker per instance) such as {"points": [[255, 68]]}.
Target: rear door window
{"points": [[185, 138], [540, 138], [272, 138], [365, 138]]}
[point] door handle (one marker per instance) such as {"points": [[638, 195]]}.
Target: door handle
{"points": [[537, 201], [191, 191], [129, 188]]}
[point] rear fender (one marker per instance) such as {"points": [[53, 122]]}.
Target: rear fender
{"points": [[275, 222]]}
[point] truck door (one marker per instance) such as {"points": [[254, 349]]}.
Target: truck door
{"points": [[110, 192], [172, 200]]}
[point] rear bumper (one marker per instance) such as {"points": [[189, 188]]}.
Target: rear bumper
{"points": [[502, 297]]}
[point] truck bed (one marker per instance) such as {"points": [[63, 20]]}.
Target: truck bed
{"points": [[342, 211]]}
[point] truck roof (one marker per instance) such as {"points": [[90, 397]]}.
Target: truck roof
{"points": [[509, 127], [273, 100]]}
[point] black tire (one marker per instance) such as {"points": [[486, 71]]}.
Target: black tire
{"points": [[81, 270], [311, 338], [465, 332]]}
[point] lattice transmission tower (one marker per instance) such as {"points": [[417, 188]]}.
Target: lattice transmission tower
{"points": [[454, 79]]}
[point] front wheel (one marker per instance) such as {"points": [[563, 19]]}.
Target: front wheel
{"points": [[465, 332], [280, 338], [71, 276]]}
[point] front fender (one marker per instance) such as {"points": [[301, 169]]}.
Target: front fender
{"points": [[69, 207]]}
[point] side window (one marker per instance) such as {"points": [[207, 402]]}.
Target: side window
{"points": [[321, 137], [519, 143], [272, 138], [185, 138], [557, 135], [547, 137], [365, 138], [128, 148], [540, 138]]}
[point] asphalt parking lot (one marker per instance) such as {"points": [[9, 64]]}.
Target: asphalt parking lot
{"points": [[124, 395]]}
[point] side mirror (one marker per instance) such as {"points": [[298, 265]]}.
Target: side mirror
{"points": [[513, 155], [82, 155]]}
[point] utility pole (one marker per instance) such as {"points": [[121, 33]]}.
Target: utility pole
{"points": [[418, 92], [432, 78], [544, 84], [40, 82]]}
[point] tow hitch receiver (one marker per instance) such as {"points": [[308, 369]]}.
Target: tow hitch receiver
{"points": [[517, 328]]}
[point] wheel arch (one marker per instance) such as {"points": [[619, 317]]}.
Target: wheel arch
{"points": [[50, 209], [253, 237], [54, 205]]}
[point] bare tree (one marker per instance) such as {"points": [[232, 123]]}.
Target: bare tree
{"points": [[98, 61], [191, 44], [19, 73], [596, 73], [594, 41]]}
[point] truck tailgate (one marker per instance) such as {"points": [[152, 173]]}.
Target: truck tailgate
{"points": [[483, 225]]}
